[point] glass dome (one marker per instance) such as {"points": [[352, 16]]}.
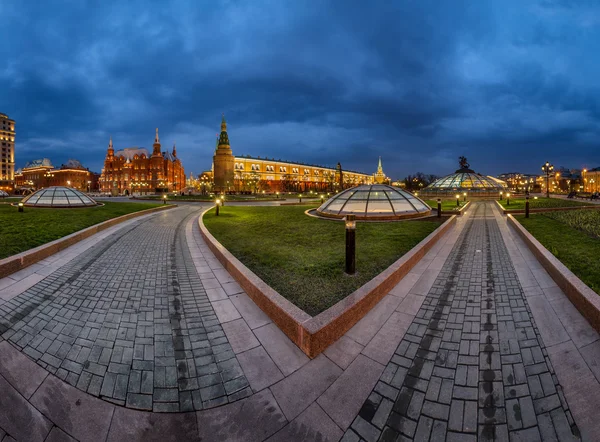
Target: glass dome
{"points": [[377, 201], [3, 194], [466, 180], [58, 197]]}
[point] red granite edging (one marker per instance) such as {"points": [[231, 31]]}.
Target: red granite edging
{"points": [[545, 209], [583, 298], [24, 259], [314, 334]]}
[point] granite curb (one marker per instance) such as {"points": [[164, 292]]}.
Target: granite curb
{"points": [[583, 298], [544, 209], [314, 334], [22, 260]]}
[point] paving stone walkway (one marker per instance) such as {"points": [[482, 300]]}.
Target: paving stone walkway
{"points": [[139, 334], [472, 365], [129, 321]]}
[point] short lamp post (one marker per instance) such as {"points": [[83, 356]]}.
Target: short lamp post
{"points": [[322, 199], [300, 197], [350, 221], [277, 193], [20, 207], [457, 200], [217, 204], [465, 196], [165, 198], [223, 199], [439, 201], [508, 199], [500, 196], [527, 206]]}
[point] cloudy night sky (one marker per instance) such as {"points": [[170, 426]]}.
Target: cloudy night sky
{"points": [[509, 84]]}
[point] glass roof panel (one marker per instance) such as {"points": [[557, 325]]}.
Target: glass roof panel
{"points": [[58, 196], [374, 200]]}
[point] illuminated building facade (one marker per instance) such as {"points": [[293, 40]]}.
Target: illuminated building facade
{"points": [[39, 174], [379, 176], [135, 170], [252, 174], [7, 153]]}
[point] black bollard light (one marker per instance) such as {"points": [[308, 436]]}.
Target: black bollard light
{"points": [[223, 199], [500, 196], [277, 195], [508, 199], [457, 200], [527, 206], [350, 222], [164, 199], [217, 204], [20, 207], [322, 199], [439, 207], [465, 197], [300, 197]]}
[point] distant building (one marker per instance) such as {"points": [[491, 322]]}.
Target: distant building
{"points": [[39, 174], [133, 169], [250, 174], [379, 176], [521, 182], [7, 154]]}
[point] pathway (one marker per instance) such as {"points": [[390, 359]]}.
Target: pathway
{"points": [[472, 365], [143, 317]]}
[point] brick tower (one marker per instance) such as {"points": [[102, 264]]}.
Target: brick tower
{"points": [[223, 162]]}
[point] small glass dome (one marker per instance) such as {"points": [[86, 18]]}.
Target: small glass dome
{"points": [[58, 197], [3, 194], [374, 202]]}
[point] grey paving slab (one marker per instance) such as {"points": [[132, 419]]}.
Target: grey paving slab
{"points": [[312, 425], [342, 400], [79, 414], [472, 364], [259, 368], [132, 426], [343, 351], [364, 330], [251, 313], [284, 352], [384, 343], [240, 336], [19, 418], [297, 391], [225, 311], [20, 371], [58, 435], [580, 331], [252, 419], [547, 320], [591, 355]]}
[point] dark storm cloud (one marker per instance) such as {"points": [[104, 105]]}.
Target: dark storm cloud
{"points": [[417, 82]]}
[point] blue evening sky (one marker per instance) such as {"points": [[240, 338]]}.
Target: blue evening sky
{"points": [[507, 83]]}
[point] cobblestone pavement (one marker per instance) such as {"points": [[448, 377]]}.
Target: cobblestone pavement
{"points": [[129, 321], [472, 365]]}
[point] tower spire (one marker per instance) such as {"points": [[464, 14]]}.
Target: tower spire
{"points": [[174, 149], [379, 168], [156, 145], [110, 151]]}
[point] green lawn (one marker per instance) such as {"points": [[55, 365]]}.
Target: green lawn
{"points": [[573, 237], [302, 258], [541, 202], [447, 205], [37, 226]]}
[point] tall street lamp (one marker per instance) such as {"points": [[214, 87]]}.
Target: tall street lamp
{"points": [[547, 169]]}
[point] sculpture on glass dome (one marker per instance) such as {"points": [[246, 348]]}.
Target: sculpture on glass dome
{"points": [[464, 164]]}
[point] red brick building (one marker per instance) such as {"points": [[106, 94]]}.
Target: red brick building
{"points": [[39, 174], [135, 170]]}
